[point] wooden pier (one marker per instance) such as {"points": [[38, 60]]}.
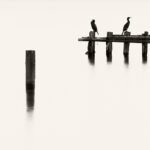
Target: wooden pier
{"points": [[127, 38]]}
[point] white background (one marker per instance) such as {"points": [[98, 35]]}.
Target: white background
{"points": [[77, 106]]}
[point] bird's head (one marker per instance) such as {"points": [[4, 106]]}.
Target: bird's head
{"points": [[93, 21], [128, 18]]}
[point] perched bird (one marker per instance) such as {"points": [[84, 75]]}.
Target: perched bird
{"points": [[94, 27], [126, 26]]}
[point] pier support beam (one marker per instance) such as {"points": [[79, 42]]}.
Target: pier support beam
{"points": [[126, 45], [30, 78], [91, 48], [109, 47], [144, 48], [91, 44]]}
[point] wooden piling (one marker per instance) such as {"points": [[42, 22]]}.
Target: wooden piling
{"points": [[91, 44], [144, 46], [30, 77], [126, 45], [109, 46]]}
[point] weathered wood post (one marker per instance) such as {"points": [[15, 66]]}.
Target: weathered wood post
{"points": [[109, 46], [126, 49], [30, 78], [144, 48], [126, 45], [91, 44]]}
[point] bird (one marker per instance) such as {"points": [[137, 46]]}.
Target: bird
{"points": [[94, 27], [126, 26]]}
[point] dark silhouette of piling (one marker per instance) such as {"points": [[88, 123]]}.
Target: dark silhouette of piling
{"points": [[91, 48], [91, 44], [144, 48], [30, 78], [126, 49], [126, 45], [109, 47]]}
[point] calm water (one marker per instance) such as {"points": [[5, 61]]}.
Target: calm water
{"points": [[78, 106]]}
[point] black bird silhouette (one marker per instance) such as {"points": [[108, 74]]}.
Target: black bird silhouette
{"points": [[94, 27], [126, 26]]}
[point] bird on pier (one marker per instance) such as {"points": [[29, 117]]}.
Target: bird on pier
{"points": [[126, 26], [94, 27]]}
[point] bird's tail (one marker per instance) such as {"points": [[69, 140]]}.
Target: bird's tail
{"points": [[97, 33]]}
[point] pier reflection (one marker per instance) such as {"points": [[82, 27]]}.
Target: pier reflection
{"points": [[144, 59], [91, 58], [126, 59], [30, 100], [109, 57]]}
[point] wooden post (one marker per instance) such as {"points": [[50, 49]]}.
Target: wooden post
{"points": [[30, 77], [91, 44], [126, 45], [144, 48], [109, 47]]}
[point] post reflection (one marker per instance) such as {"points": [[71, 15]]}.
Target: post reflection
{"points": [[126, 59], [30, 100], [91, 58], [144, 59], [109, 56]]}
